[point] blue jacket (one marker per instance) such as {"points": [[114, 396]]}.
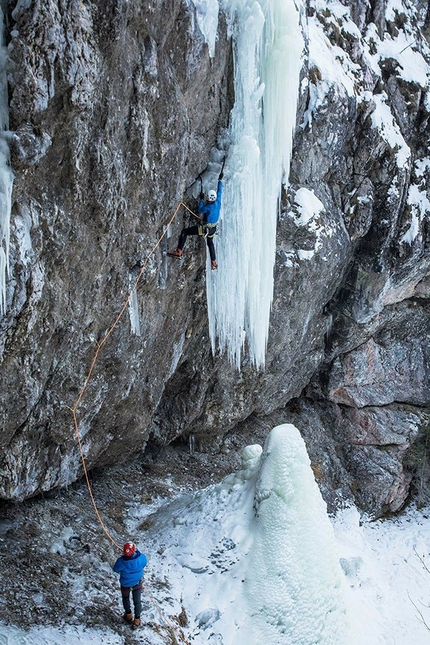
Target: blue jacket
{"points": [[130, 569], [210, 211]]}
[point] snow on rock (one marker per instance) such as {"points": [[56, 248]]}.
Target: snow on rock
{"points": [[254, 557], [420, 205], [337, 70], [383, 119], [336, 67], [421, 165], [308, 210], [403, 47], [331, 67], [309, 205]]}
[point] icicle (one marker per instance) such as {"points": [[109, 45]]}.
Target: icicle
{"points": [[133, 309], [207, 19], [6, 175], [192, 444], [268, 46]]}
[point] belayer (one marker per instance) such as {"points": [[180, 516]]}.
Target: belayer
{"points": [[209, 209], [130, 567]]}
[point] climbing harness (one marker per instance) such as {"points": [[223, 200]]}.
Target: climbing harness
{"points": [[209, 233], [84, 387], [204, 230]]}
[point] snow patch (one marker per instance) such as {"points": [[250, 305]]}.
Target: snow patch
{"points": [[302, 254], [383, 120], [385, 568], [422, 166], [309, 207], [420, 205], [336, 67], [70, 635]]}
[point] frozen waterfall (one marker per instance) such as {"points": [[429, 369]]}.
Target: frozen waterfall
{"points": [[6, 176], [268, 46]]}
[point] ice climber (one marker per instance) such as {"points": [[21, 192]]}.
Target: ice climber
{"points": [[209, 209], [130, 567]]}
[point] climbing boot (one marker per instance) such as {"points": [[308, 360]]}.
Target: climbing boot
{"points": [[128, 618], [136, 623], [214, 265], [175, 254]]}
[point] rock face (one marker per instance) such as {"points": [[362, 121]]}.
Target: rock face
{"points": [[116, 106]]}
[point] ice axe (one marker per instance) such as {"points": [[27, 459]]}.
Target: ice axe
{"points": [[221, 175]]}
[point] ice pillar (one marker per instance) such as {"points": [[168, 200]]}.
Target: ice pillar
{"points": [[294, 583]]}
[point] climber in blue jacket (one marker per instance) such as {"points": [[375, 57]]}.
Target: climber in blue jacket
{"points": [[209, 209], [130, 567]]}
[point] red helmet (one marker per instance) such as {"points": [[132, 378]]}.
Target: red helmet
{"points": [[129, 549]]}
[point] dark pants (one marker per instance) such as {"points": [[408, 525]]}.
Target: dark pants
{"points": [[194, 230], [137, 593]]}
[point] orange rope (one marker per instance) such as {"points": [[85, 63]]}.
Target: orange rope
{"points": [[75, 421], [99, 346], [108, 333], [84, 387], [190, 211]]}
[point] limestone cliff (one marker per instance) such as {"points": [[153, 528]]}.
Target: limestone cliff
{"points": [[116, 106]]}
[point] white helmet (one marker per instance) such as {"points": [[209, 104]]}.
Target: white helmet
{"points": [[211, 196]]}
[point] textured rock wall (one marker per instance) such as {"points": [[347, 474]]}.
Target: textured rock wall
{"points": [[370, 391], [116, 106]]}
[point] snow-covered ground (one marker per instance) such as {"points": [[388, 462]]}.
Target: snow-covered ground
{"points": [[255, 559], [385, 564]]}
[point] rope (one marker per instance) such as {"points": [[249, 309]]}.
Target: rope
{"points": [[84, 387], [190, 211], [75, 421], [127, 301]]}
